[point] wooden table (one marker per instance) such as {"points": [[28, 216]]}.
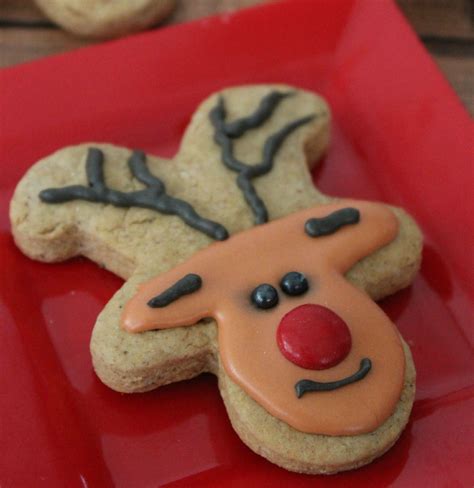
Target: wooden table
{"points": [[446, 27]]}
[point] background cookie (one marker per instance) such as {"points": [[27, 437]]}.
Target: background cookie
{"points": [[105, 19], [120, 239]]}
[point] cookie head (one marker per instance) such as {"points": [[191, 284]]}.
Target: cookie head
{"points": [[303, 342]]}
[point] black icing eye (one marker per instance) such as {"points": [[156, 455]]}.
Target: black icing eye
{"points": [[265, 296], [294, 283]]}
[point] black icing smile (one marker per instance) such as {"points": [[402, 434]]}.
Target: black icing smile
{"points": [[304, 386]]}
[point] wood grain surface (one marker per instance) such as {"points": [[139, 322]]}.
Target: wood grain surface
{"points": [[446, 27]]}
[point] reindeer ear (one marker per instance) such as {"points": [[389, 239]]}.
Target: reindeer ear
{"points": [[170, 300], [353, 232]]}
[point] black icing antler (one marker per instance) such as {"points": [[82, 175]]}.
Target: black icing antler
{"points": [[153, 197], [226, 131]]}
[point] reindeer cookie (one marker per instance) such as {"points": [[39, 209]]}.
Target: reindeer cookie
{"points": [[235, 264]]}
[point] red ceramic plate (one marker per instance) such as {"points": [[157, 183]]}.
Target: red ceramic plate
{"points": [[400, 135]]}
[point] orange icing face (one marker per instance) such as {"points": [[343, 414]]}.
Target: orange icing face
{"points": [[247, 335]]}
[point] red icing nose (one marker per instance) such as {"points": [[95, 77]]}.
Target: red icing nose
{"points": [[313, 337]]}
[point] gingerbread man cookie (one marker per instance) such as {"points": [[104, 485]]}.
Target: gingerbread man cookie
{"points": [[237, 265]]}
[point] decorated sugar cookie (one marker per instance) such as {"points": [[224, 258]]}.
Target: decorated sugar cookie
{"points": [[235, 264]]}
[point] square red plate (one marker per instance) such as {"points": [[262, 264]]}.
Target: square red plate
{"points": [[400, 135]]}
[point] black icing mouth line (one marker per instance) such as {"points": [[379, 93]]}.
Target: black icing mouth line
{"points": [[304, 386]]}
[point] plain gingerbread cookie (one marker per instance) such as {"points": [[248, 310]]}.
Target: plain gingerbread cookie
{"points": [[181, 267], [103, 19]]}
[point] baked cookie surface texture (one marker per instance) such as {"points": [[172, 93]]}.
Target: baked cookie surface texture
{"points": [[235, 264], [102, 19]]}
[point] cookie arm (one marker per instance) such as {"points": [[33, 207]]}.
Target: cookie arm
{"points": [[154, 196]]}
